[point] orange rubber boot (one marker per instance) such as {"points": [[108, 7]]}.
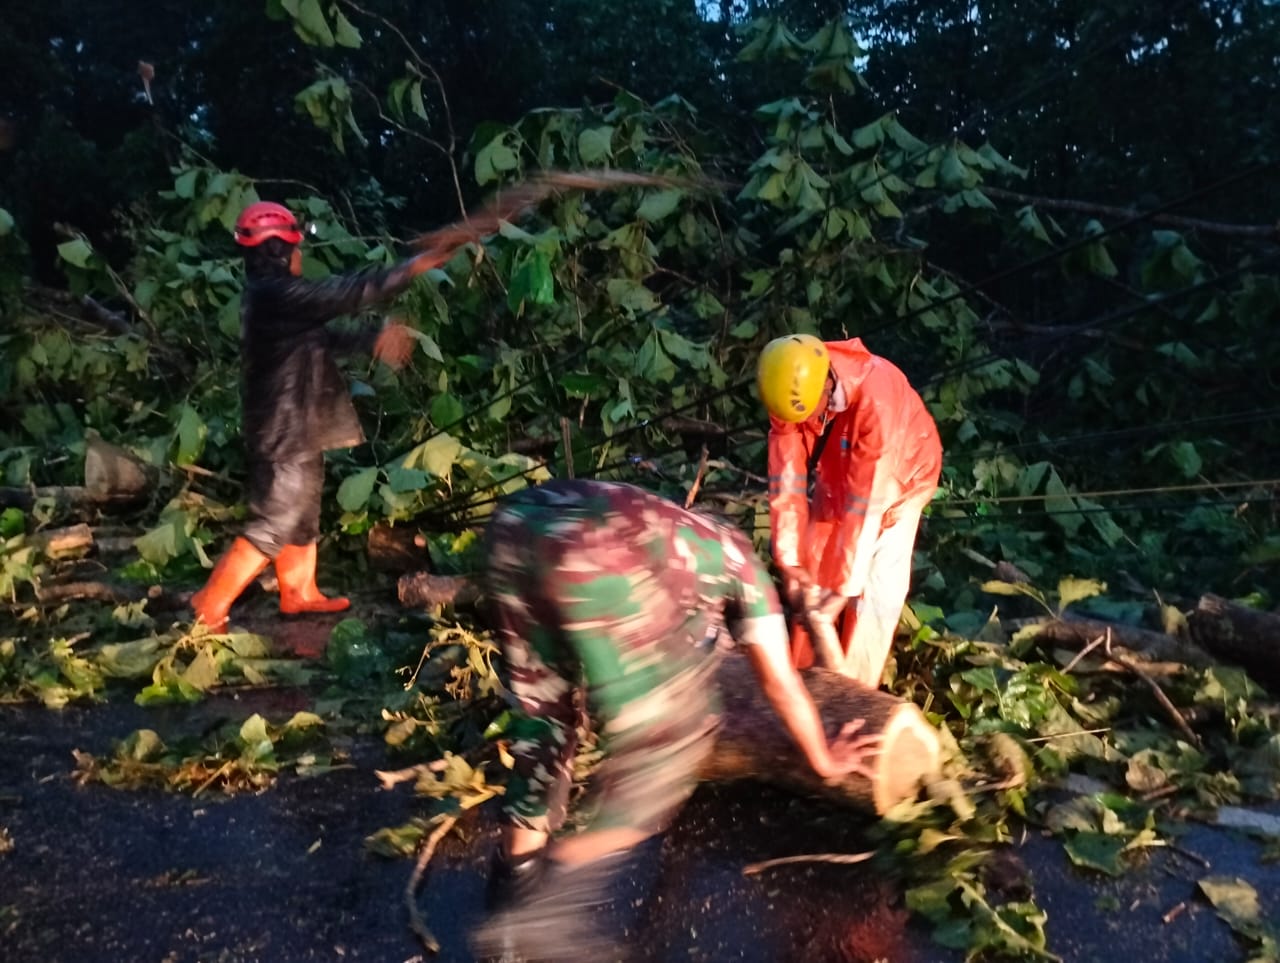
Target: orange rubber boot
{"points": [[296, 571], [239, 566]]}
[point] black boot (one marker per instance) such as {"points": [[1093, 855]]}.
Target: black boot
{"points": [[562, 917], [513, 881]]}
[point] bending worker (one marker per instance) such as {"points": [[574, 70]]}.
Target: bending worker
{"points": [[608, 592], [296, 404], [849, 421]]}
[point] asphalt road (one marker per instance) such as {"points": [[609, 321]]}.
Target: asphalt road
{"points": [[96, 874]]}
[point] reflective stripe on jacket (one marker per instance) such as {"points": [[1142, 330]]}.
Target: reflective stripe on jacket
{"points": [[882, 451]]}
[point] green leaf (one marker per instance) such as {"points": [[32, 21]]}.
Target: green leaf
{"points": [[310, 23], [204, 670], [429, 346], [185, 184], [76, 252], [189, 437], [345, 33], [1235, 899], [435, 455], [12, 522], [998, 587], [595, 144], [1060, 506], [415, 100], [6, 223], [1029, 222], [902, 137], [631, 296], [532, 283], [160, 545], [495, 159], [952, 174], [658, 204], [446, 411], [1100, 851], [1074, 589], [582, 385], [130, 660], [402, 480], [869, 135], [1187, 458], [355, 490]]}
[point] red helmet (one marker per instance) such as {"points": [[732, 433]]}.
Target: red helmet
{"points": [[265, 219]]}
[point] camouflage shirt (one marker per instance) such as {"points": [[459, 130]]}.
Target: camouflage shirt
{"points": [[608, 586], [633, 572]]}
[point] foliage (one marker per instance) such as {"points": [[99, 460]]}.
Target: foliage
{"points": [[245, 756], [1095, 374]]}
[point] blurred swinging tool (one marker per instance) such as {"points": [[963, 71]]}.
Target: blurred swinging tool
{"points": [[516, 200]]}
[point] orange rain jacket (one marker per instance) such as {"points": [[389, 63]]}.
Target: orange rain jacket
{"points": [[883, 452]]}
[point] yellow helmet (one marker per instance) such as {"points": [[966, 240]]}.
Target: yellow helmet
{"points": [[791, 375]]}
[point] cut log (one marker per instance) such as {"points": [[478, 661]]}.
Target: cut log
{"points": [[113, 593], [65, 498], [422, 590], [115, 473], [1247, 637], [752, 744], [1073, 633], [75, 541], [395, 549]]}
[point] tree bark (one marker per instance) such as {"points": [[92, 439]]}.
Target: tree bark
{"points": [[392, 548], [114, 593], [67, 498], [1076, 633], [752, 744], [75, 541], [1245, 636], [422, 590]]}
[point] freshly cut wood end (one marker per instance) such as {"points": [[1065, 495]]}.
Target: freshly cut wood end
{"points": [[910, 758]]}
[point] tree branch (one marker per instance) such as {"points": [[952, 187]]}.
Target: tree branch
{"points": [[1261, 231]]}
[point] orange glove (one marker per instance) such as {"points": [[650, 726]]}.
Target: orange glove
{"points": [[394, 345]]}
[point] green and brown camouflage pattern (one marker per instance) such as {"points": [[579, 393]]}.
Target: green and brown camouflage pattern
{"points": [[606, 589]]}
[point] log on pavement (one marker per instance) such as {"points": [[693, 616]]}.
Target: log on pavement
{"points": [[1245, 636], [752, 743]]}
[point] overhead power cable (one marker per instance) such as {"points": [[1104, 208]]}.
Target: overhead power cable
{"points": [[466, 503]]}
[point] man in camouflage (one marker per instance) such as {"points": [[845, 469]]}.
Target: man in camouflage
{"points": [[606, 591]]}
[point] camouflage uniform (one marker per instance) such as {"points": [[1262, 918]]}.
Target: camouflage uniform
{"points": [[608, 587]]}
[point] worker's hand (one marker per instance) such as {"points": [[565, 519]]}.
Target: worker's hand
{"points": [[394, 345], [850, 752], [795, 582], [826, 607]]}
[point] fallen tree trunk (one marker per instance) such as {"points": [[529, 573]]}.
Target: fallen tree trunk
{"points": [[1074, 633], [1247, 637], [752, 744], [422, 590], [395, 549], [75, 541], [113, 478], [114, 593], [68, 498]]}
